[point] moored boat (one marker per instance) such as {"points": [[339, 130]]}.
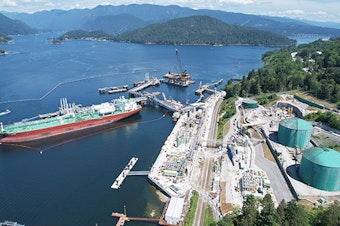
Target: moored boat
{"points": [[10, 223], [5, 112], [70, 118]]}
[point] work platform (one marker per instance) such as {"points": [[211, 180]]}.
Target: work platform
{"points": [[119, 180], [205, 88]]}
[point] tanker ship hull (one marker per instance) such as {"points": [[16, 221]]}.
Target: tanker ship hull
{"points": [[67, 130]]}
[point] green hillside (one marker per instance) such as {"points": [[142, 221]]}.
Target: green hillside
{"points": [[203, 30], [313, 67]]}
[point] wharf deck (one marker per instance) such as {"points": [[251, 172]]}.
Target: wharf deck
{"points": [[119, 180], [171, 106], [205, 88], [151, 82]]}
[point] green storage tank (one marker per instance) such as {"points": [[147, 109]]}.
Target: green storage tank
{"points": [[295, 132], [248, 103], [320, 168]]}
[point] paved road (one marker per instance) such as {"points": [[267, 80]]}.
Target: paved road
{"points": [[278, 183]]}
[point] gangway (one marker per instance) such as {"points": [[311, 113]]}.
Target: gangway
{"points": [[138, 173]]}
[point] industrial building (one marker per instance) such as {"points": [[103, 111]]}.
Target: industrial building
{"points": [[295, 132], [320, 168], [174, 212]]}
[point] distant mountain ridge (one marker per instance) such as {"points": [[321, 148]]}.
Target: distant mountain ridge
{"points": [[14, 27], [145, 14]]}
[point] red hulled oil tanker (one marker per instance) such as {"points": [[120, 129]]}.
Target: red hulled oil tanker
{"points": [[70, 118]]}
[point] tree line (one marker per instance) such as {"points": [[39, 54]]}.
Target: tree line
{"points": [[262, 212]]}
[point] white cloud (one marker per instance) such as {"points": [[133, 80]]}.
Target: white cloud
{"points": [[237, 2], [294, 12], [7, 3], [50, 4]]}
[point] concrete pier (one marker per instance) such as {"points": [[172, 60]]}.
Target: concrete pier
{"points": [[119, 180], [205, 88]]}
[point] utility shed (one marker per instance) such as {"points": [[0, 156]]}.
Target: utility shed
{"points": [[295, 132], [174, 212], [320, 168]]}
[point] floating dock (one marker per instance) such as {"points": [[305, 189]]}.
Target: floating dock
{"points": [[119, 180], [114, 89]]}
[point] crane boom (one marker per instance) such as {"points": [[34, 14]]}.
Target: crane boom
{"points": [[179, 61]]}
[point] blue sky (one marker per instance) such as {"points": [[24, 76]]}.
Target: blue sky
{"points": [[316, 10]]}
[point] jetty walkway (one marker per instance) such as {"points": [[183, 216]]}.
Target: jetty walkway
{"points": [[206, 87], [119, 180], [171, 105]]}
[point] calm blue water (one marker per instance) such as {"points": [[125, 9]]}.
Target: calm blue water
{"points": [[69, 184]]}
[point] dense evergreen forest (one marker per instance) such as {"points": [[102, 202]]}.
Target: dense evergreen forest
{"points": [[290, 214], [81, 34], [312, 68], [194, 30], [203, 30], [4, 39]]}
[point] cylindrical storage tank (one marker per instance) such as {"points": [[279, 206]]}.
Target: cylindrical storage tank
{"points": [[249, 103], [295, 132], [320, 168]]}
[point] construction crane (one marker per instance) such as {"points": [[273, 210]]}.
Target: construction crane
{"points": [[182, 72]]}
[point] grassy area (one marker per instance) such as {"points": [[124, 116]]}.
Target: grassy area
{"points": [[267, 153], [227, 110], [209, 217], [189, 218], [314, 99], [226, 128]]}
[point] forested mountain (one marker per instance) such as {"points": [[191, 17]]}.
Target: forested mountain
{"points": [[203, 30], [115, 24], [313, 67], [60, 20], [194, 30], [14, 27]]}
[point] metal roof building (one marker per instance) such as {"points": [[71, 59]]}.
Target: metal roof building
{"points": [[174, 212], [320, 168], [295, 132]]}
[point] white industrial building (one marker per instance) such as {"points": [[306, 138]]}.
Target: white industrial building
{"points": [[174, 212]]}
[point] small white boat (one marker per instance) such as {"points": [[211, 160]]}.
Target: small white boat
{"points": [[10, 223], [5, 112]]}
